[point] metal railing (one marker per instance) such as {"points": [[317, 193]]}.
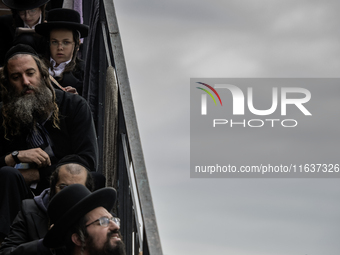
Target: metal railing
{"points": [[122, 160]]}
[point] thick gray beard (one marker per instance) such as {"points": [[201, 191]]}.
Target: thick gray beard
{"points": [[31, 108]]}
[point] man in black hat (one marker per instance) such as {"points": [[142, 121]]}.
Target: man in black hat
{"points": [[40, 126], [63, 30], [31, 223], [84, 223], [26, 14]]}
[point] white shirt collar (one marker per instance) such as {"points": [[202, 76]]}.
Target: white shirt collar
{"points": [[57, 70], [27, 26]]}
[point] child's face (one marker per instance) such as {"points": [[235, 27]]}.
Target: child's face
{"points": [[61, 45], [30, 17]]}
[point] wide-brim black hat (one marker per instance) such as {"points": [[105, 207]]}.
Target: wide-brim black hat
{"points": [[69, 205], [62, 18], [21, 5]]}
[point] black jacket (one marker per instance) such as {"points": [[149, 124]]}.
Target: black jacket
{"points": [[74, 78], [76, 136], [29, 226], [8, 38]]}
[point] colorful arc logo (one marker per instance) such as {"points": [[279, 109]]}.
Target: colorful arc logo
{"points": [[204, 97], [210, 93]]}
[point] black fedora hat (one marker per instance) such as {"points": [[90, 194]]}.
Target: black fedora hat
{"points": [[21, 5], [69, 205], [62, 18]]}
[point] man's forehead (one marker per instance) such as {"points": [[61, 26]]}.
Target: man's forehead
{"points": [[97, 213], [20, 62]]}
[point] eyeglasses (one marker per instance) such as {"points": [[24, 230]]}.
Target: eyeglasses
{"points": [[61, 186], [29, 12], [64, 44], [105, 221]]}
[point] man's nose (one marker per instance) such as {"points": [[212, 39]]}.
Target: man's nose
{"points": [[113, 225], [25, 80]]}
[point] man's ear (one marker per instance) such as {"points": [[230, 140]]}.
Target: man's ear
{"points": [[75, 239]]}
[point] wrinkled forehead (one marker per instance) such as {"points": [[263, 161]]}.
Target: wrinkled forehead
{"points": [[21, 63]]}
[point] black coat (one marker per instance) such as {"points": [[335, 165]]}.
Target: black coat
{"points": [[30, 225], [7, 31], [29, 228], [75, 78], [76, 135], [8, 38]]}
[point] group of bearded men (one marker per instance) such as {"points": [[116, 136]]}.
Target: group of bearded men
{"points": [[48, 146]]}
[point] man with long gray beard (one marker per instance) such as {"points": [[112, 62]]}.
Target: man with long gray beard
{"points": [[39, 127]]}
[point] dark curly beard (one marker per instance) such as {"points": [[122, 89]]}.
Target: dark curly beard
{"points": [[28, 109], [107, 248]]}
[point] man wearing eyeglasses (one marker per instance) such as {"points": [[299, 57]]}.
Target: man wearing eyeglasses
{"points": [[40, 126], [31, 223], [84, 223]]}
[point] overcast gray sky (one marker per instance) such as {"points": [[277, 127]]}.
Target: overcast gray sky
{"points": [[168, 42]]}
